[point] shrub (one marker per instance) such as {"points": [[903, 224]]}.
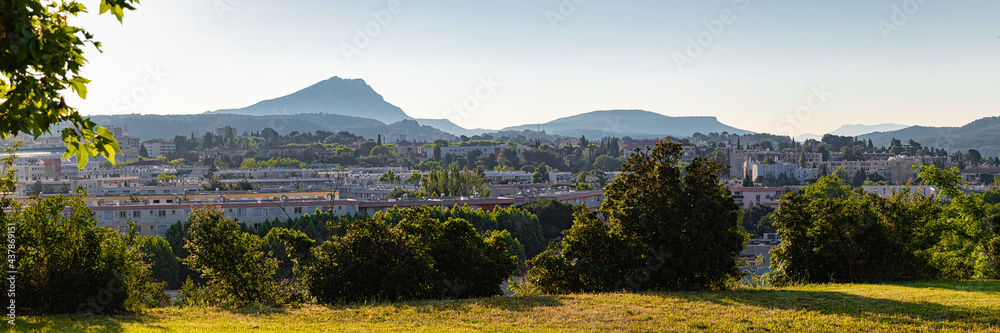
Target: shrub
{"points": [[231, 259], [830, 233], [67, 263], [160, 258], [420, 257], [668, 227]]}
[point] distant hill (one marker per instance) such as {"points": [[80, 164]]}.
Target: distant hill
{"points": [[859, 129], [634, 123], [982, 135], [148, 127], [450, 127], [337, 96], [808, 136]]}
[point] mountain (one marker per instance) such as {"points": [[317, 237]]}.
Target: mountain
{"points": [[982, 135], [450, 127], [859, 129], [148, 127], [634, 123], [337, 96], [808, 136]]}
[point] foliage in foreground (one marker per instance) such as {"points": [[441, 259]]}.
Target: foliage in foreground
{"points": [[419, 257], [238, 271], [833, 233], [41, 56], [66, 263], [666, 228]]}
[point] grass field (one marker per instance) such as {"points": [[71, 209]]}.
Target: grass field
{"points": [[917, 306]]}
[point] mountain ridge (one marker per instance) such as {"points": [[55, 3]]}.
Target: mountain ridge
{"points": [[346, 97]]}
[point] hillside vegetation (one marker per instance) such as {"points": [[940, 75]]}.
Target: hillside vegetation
{"points": [[915, 306]]}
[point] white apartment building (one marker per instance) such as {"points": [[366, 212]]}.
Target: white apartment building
{"points": [[156, 148], [758, 169]]}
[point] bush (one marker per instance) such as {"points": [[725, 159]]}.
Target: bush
{"points": [[420, 257], [579, 262], [553, 216], [160, 258], [67, 263], [231, 259], [830, 233], [667, 228]]}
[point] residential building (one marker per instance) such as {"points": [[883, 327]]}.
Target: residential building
{"points": [[157, 147]]}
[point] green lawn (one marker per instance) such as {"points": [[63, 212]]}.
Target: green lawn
{"points": [[917, 306]]}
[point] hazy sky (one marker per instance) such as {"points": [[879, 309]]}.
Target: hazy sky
{"points": [[778, 66]]}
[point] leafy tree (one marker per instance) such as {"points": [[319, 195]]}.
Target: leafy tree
{"points": [[384, 150], [214, 184], [390, 177], [41, 56], [967, 230], [509, 158], [756, 220], [541, 175], [238, 271], [608, 163], [454, 182], [65, 260], [579, 262], [419, 257], [160, 258], [366, 147], [554, 216], [859, 178], [668, 228], [831, 233]]}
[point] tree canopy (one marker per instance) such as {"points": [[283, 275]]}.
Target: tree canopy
{"points": [[41, 58]]}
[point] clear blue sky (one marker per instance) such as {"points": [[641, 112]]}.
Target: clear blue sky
{"points": [[933, 64]]}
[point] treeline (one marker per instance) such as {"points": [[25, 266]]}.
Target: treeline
{"points": [[833, 233]]}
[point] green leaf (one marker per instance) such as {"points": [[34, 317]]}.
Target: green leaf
{"points": [[79, 85]]}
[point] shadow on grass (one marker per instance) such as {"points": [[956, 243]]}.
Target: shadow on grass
{"points": [[505, 303], [81, 323], [992, 287], [891, 312]]}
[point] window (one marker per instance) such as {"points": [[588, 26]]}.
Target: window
{"points": [[298, 210], [162, 213], [122, 214], [241, 211], [136, 214]]}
